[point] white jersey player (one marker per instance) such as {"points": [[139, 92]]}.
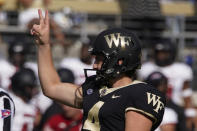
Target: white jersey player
{"points": [[170, 117], [24, 116], [179, 77], [77, 65], [177, 74], [23, 86], [7, 111], [6, 72]]}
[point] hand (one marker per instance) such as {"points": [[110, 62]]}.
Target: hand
{"points": [[42, 31]]}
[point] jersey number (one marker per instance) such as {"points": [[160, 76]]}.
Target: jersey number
{"points": [[92, 122]]}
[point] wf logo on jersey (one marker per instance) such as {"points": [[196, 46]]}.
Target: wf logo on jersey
{"points": [[117, 39], [5, 113], [155, 100]]}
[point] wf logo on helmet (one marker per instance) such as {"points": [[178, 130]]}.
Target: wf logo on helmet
{"points": [[117, 39]]}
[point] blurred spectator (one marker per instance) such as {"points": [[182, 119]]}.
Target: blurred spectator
{"points": [[58, 35], [63, 18], [27, 13], [174, 118], [179, 76], [23, 90], [29, 10], [26, 16], [77, 65]]}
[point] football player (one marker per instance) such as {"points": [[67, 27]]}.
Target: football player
{"points": [[179, 76], [170, 119], [16, 59], [23, 85], [112, 99], [77, 65], [17, 53]]}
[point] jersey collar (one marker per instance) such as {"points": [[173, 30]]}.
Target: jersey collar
{"points": [[105, 90]]}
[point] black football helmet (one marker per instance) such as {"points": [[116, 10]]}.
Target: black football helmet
{"points": [[156, 79], [117, 44], [168, 47], [66, 75], [17, 53], [16, 48], [22, 82]]}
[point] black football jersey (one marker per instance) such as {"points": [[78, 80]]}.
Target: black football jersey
{"points": [[104, 108]]}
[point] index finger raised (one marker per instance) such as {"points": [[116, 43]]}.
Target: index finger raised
{"points": [[46, 19]]}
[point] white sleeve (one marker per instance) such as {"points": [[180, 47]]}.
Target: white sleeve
{"points": [[188, 73], [170, 117], [6, 71], [66, 63], [146, 70]]}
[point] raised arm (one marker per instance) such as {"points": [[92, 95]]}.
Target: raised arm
{"points": [[52, 87]]}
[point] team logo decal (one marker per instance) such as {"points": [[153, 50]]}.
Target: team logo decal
{"points": [[115, 96], [118, 40], [89, 91], [102, 92], [5, 113]]}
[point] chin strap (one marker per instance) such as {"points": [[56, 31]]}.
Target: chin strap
{"points": [[87, 70]]}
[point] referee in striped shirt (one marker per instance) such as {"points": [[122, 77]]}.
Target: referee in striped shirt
{"points": [[7, 110]]}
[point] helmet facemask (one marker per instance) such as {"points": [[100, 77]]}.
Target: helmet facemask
{"points": [[110, 67]]}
